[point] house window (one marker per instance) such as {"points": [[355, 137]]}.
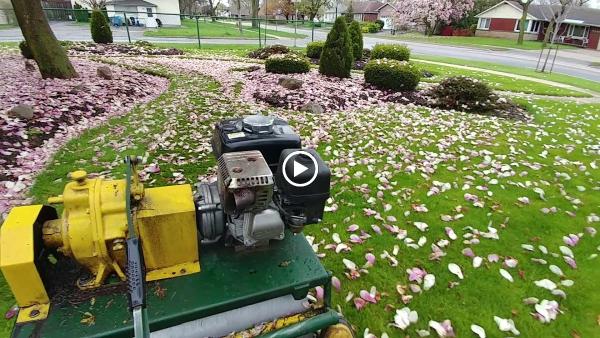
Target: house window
{"points": [[578, 31], [484, 23], [530, 26], [149, 11]]}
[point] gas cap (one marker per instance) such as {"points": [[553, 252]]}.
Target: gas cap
{"points": [[258, 124]]}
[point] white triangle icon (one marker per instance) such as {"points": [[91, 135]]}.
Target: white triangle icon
{"points": [[299, 168]]}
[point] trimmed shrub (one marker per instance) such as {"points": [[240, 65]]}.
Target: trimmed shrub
{"points": [[25, 50], [369, 27], [264, 53], [394, 52], [380, 23], [392, 74], [357, 40], [100, 27], [336, 57], [287, 64], [81, 15], [314, 49], [463, 93]]}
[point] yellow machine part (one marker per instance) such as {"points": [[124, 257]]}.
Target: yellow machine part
{"points": [[18, 250], [166, 221], [93, 228]]}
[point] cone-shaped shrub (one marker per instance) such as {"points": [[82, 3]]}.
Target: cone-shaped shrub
{"points": [[100, 27], [336, 57], [357, 40]]}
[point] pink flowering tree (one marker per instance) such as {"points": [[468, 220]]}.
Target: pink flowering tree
{"points": [[430, 13]]}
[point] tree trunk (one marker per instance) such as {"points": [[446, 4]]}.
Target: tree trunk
{"points": [[254, 13], [522, 22], [549, 33], [51, 58], [427, 28], [212, 9]]}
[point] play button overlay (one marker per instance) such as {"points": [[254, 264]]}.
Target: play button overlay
{"points": [[300, 168]]}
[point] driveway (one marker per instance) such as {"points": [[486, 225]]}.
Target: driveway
{"points": [[567, 62]]}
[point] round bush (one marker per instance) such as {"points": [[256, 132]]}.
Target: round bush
{"points": [[100, 28], [25, 50], [286, 64], [336, 58], [369, 27], [357, 40], [463, 93], [264, 53], [394, 52], [392, 74], [380, 23], [314, 49]]}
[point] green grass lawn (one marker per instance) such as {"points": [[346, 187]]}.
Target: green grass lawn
{"points": [[7, 26], [215, 30], [390, 169], [471, 41], [556, 77], [497, 82], [483, 293]]}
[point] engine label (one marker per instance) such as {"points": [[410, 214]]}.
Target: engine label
{"points": [[232, 136]]}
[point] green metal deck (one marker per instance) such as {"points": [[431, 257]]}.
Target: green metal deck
{"points": [[227, 280]]}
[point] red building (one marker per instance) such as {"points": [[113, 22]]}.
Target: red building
{"points": [[580, 28]]}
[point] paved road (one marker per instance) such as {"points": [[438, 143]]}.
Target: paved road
{"points": [[566, 63]]}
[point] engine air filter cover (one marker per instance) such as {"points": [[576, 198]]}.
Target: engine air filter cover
{"points": [[269, 135], [245, 181], [258, 124]]}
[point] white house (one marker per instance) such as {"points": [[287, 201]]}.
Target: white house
{"points": [[7, 16], [593, 4], [167, 11]]}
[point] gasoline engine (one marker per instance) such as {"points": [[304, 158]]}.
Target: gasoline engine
{"points": [[120, 228], [252, 202]]}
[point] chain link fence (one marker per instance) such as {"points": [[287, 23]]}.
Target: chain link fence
{"points": [[130, 25]]}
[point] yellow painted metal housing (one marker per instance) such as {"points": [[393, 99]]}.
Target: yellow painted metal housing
{"points": [[166, 221], [93, 228], [20, 244]]}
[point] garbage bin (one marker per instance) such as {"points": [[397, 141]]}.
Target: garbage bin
{"points": [[117, 21]]}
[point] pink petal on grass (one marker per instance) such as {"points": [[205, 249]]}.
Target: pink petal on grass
{"points": [[352, 228], [416, 274], [364, 294], [376, 228], [336, 283], [370, 258], [571, 239], [12, 312], [511, 262], [493, 258], [354, 238], [468, 252], [359, 303], [572, 263]]}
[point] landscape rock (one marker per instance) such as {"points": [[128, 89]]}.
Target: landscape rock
{"points": [[426, 74], [30, 65], [104, 72], [313, 107], [22, 111], [290, 83]]}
